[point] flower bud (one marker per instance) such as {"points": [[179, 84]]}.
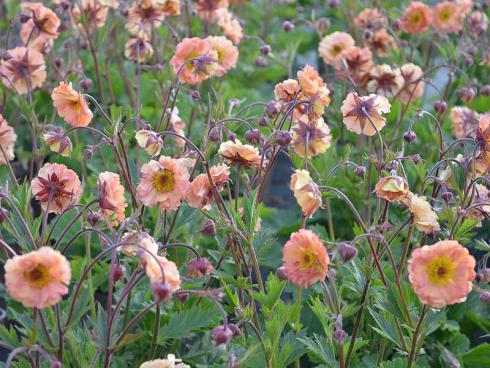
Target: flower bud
{"points": [[124, 11], [196, 96], [86, 83], [333, 3], [57, 364], [322, 25], [283, 138], [65, 5], [360, 171], [214, 134], [58, 62], [88, 153], [253, 136], [409, 136], [149, 141], [23, 17], [485, 275], [182, 297], [234, 329], [263, 121], [58, 142], [368, 34], [265, 50], [93, 218], [468, 61], [231, 136], [287, 26], [467, 94], [446, 196], [346, 251], [273, 108], [396, 25], [161, 291], [118, 271], [485, 90], [199, 267], [222, 335], [281, 273], [440, 107], [261, 62], [339, 337], [485, 297], [83, 43], [209, 228]]}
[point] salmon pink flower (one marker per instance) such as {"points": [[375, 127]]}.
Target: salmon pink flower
{"points": [[333, 46], [448, 17], [230, 26], [355, 111], [39, 278], [306, 192], [227, 54], [111, 197], [24, 70], [238, 153], [92, 13], [164, 183], [392, 188], [464, 121], [425, 219], [311, 83], [413, 86], [311, 137], [286, 91], [138, 49], [416, 18], [41, 28], [483, 132], [199, 194], [481, 197], [154, 268], [7, 141], [305, 258], [359, 62], [71, 105], [207, 9], [56, 186], [370, 18], [441, 274], [385, 80], [381, 42]]}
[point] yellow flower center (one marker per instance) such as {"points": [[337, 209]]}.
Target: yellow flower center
{"points": [[441, 271], [445, 15], [192, 55], [163, 181], [308, 259], [337, 49], [38, 277], [415, 18]]}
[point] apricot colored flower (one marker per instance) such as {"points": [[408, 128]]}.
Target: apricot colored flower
{"points": [[198, 70], [464, 121], [425, 218], [230, 26], [413, 86], [41, 28], [135, 241], [154, 268], [305, 258], [71, 105], [227, 54], [111, 197], [359, 62], [356, 109], [207, 9], [481, 197], [385, 80], [286, 91], [483, 132], [306, 192], [441, 274], [143, 17], [39, 278], [448, 17], [57, 186], [176, 125], [149, 141], [7, 141], [238, 153], [24, 70], [58, 142], [164, 183], [311, 137], [310, 81], [416, 18], [332, 47], [381, 42], [138, 49], [199, 194], [392, 188], [89, 15], [171, 8], [370, 18], [170, 362]]}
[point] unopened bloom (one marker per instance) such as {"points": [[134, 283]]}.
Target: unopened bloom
{"points": [[24, 70], [448, 17], [170, 362], [39, 278], [200, 192], [441, 274], [207, 9], [194, 60], [238, 153], [164, 183], [138, 49], [370, 18], [41, 28], [392, 188], [227, 54], [356, 110], [478, 23], [58, 142], [385, 80], [199, 267], [159, 269], [306, 192], [149, 141], [305, 258], [425, 219], [111, 197], [71, 105], [332, 47], [416, 18], [311, 138], [7, 141], [56, 186], [413, 86], [464, 121]]}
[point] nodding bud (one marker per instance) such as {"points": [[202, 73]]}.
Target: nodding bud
{"points": [[265, 50], [346, 251], [263, 121], [58, 62], [288, 26], [467, 94], [182, 297], [283, 138], [253, 136], [222, 335], [83, 43], [485, 275], [3, 215], [468, 60], [360, 171], [209, 228], [196, 96], [86, 83], [161, 291], [339, 336], [93, 218], [57, 364], [124, 11], [281, 273], [118, 271], [440, 107], [446, 196], [415, 158], [322, 25], [23, 17], [396, 25], [199, 267], [368, 34], [261, 62], [234, 329], [65, 5], [409, 136], [485, 90], [273, 108], [214, 134], [231, 136], [333, 3], [485, 297]]}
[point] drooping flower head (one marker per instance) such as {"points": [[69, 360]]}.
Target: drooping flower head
{"points": [[138, 243], [385, 80], [58, 142], [306, 192], [24, 70], [7, 141], [237, 153], [441, 274], [41, 28], [370, 18], [164, 183], [111, 197], [286, 91], [478, 23], [311, 137], [356, 109], [199, 194], [464, 121], [138, 49], [207, 9], [230, 26], [89, 15], [170, 362], [39, 278], [416, 18], [483, 132], [57, 186], [71, 105], [161, 270], [305, 258], [381, 42], [332, 47], [481, 198], [448, 17], [392, 188], [413, 86], [227, 54], [359, 63], [425, 219], [150, 141]]}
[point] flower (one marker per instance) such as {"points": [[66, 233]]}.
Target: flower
{"points": [[164, 183], [392, 188], [332, 47], [89, 15], [58, 142], [482, 196], [199, 194], [150, 141], [71, 105], [7, 141], [199, 267], [154, 266], [198, 70], [286, 91], [207, 9], [356, 109], [385, 80], [311, 83], [442, 273], [138, 49], [111, 197], [176, 125], [39, 278], [227, 54], [165, 363], [305, 258], [306, 192], [24, 70], [448, 17], [478, 23], [425, 218], [381, 42], [370, 18], [311, 138], [482, 133], [359, 62], [56, 186], [230, 26], [416, 18], [237, 153], [136, 242], [464, 121], [41, 28], [413, 87]]}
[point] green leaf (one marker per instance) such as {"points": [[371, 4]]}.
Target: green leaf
{"points": [[321, 348], [386, 327], [478, 357], [274, 288]]}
